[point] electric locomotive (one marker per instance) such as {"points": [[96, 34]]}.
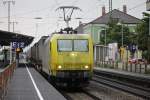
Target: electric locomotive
{"points": [[67, 58]]}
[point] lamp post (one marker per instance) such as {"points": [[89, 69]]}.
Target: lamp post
{"points": [[121, 33], [37, 18]]}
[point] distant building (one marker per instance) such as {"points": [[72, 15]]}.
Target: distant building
{"points": [[98, 25], [79, 29]]}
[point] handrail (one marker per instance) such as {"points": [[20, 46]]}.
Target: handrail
{"points": [[5, 75]]}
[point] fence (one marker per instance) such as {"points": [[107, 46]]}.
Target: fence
{"points": [[100, 53], [102, 59], [5, 75], [136, 68]]}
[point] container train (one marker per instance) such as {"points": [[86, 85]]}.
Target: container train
{"points": [[66, 58]]}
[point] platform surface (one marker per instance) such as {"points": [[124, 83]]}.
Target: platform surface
{"points": [[27, 84], [145, 76]]}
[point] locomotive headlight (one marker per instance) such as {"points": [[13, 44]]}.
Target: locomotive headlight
{"points": [[73, 54], [86, 67], [59, 67]]}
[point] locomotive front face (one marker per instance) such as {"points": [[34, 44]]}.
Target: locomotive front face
{"points": [[74, 59], [73, 54], [71, 58]]}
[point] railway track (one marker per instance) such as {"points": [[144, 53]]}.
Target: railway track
{"points": [[79, 94], [137, 90], [73, 93], [84, 94]]}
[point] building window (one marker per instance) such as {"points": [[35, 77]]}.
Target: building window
{"points": [[115, 19]]}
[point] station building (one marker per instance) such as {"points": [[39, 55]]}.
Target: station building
{"points": [[96, 26]]}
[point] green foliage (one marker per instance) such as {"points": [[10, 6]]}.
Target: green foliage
{"points": [[114, 33], [145, 54], [143, 35], [142, 31]]}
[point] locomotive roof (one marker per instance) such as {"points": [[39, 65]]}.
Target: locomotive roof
{"points": [[67, 36], [70, 36]]}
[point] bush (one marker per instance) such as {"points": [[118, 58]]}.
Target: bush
{"points": [[146, 55]]}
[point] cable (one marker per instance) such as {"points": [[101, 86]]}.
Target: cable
{"points": [[136, 6], [35, 11]]}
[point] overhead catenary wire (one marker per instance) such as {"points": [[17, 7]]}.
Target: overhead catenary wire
{"points": [[130, 9], [58, 3], [136, 6], [39, 10]]}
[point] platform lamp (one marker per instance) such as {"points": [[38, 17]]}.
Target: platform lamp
{"points": [[37, 18]]}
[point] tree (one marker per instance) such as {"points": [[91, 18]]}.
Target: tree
{"points": [[114, 33], [142, 36], [142, 31]]}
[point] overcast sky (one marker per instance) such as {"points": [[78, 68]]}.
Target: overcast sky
{"points": [[25, 11]]}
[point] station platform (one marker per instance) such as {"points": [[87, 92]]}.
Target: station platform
{"points": [[27, 84], [121, 72]]}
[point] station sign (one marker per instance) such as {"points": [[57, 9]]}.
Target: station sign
{"points": [[18, 45]]}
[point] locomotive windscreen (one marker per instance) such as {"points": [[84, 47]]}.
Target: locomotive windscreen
{"points": [[73, 45]]}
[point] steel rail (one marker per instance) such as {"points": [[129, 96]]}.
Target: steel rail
{"points": [[122, 86]]}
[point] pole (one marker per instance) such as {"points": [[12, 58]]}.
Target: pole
{"points": [[9, 16], [104, 56], [148, 44], [17, 59], [110, 5], [13, 23], [8, 12], [11, 42], [13, 26], [37, 25], [105, 36], [149, 25], [122, 34], [9, 26], [10, 53]]}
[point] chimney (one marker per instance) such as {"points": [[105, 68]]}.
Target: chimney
{"points": [[124, 8], [103, 11]]}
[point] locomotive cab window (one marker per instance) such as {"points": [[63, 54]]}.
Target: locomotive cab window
{"points": [[64, 45], [73, 45], [81, 45]]}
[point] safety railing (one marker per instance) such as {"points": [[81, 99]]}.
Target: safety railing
{"points": [[5, 76], [136, 68]]}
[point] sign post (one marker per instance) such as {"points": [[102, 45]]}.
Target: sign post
{"points": [[10, 53], [18, 47]]}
